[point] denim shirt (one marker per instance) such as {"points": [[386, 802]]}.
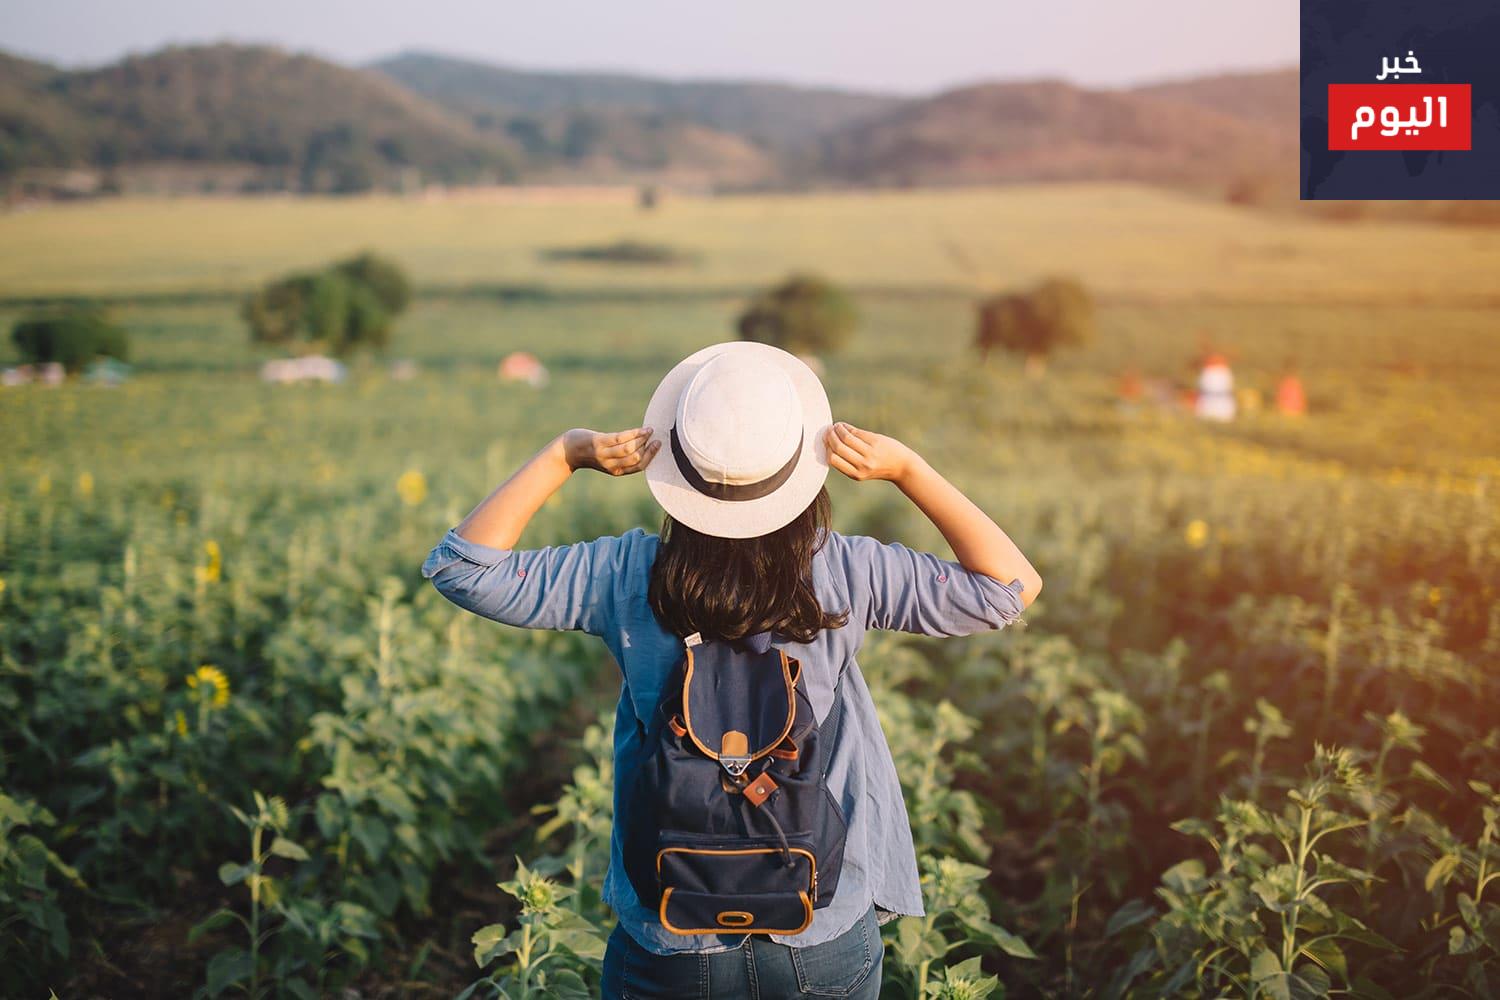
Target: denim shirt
{"points": [[599, 587]]}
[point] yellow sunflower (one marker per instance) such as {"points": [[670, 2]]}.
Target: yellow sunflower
{"points": [[412, 486], [210, 676]]}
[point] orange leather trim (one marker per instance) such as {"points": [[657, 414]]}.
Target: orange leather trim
{"points": [[807, 916], [677, 727], [791, 708], [760, 789]]}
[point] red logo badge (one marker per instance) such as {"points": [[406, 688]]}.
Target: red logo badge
{"points": [[1416, 116]]}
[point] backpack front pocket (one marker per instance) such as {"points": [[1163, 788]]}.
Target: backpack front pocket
{"points": [[684, 912], [726, 884]]}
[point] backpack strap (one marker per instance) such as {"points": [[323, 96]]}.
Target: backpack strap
{"points": [[650, 730]]}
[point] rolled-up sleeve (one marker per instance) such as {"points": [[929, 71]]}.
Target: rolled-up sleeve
{"points": [[910, 591], [568, 587]]}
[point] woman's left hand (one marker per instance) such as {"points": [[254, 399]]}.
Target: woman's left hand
{"points": [[617, 454]]}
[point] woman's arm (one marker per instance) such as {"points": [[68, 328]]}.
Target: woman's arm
{"points": [[499, 520], [977, 541]]}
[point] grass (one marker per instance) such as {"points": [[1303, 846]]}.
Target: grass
{"points": [[1124, 241]]}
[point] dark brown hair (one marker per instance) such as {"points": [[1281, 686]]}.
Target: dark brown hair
{"points": [[730, 588]]}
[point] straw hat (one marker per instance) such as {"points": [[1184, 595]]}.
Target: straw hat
{"points": [[741, 426]]}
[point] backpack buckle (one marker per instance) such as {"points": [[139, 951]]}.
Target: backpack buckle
{"points": [[734, 753]]}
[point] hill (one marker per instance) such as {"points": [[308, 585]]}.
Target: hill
{"points": [[1271, 97], [297, 121], [1050, 130], [235, 117], [37, 127], [777, 116], [613, 146]]}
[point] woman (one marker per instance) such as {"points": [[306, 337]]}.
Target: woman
{"points": [[746, 554]]}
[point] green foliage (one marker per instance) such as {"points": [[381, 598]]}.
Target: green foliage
{"points": [[805, 314], [31, 884], [1321, 580], [382, 276], [72, 338], [554, 951], [289, 938], [348, 306], [957, 918], [1037, 322], [1269, 921], [927, 744]]}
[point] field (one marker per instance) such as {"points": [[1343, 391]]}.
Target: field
{"points": [[1246, 745]]}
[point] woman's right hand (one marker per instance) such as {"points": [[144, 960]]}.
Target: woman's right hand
{"points": [[617, 454], [861, 454]]}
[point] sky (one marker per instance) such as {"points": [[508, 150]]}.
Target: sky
{"points": [[915, 46]]}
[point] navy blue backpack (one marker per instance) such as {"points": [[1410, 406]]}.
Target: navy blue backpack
{"points": [[730, 827]]}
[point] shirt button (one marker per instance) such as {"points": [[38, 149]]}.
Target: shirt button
{"points": [[520, 572], [942, 578]]}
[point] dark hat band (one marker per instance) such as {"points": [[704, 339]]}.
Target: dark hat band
{"points": [[734, 491]]}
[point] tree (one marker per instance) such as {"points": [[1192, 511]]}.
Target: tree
{"points": [[346, 306], [72, 338], [804, 314], [1036, 322], [382, 276]]}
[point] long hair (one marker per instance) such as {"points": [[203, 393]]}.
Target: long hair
{"points": [[730, 588]]}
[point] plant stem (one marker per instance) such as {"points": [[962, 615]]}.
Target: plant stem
{"points": [[523, 959], [1484, 858], [256, 862], [1289, 931], [926, 963]]}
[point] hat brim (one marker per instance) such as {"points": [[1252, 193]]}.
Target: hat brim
{"points": [[739, 518]]}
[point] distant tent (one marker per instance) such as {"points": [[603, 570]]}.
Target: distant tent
{"points": [[1215, 399], [107, 371], [314, 368], [1291, 398], [521, 366]]}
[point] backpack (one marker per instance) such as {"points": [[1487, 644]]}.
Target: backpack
{"points": [[730, 827]]}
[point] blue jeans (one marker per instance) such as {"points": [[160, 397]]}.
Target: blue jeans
{"points": [[760, 969]]}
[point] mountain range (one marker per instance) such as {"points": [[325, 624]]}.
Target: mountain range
{"points": [[236, 117]]}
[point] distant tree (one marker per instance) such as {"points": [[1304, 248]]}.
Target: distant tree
{"points": [[1036, 322], [340, 160], [804, 314], [339, 310], [72, 338], [583, 136], [529, 131], [382, 276]]}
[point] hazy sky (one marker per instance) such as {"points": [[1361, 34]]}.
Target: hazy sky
{"points": [[910, 46]]}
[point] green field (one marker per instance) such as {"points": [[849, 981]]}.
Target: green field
{"points": [[1220, 600], [1126, 242]]}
